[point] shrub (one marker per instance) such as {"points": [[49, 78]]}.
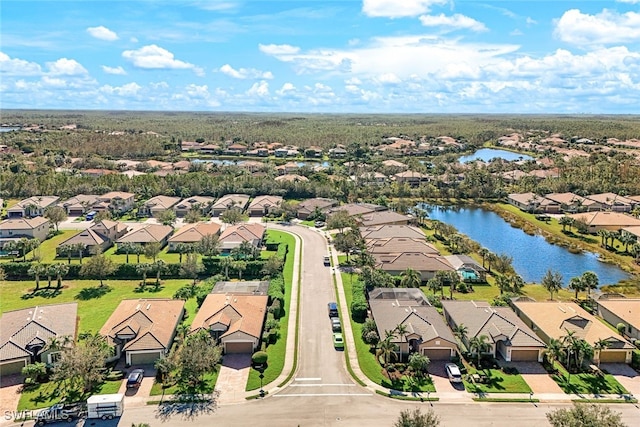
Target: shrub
{"points": [[359, 309], [259, 358]]}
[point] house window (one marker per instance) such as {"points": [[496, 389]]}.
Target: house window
{"points": [[54, 357]]}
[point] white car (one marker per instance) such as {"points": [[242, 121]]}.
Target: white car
{"points": [[453, 372]]}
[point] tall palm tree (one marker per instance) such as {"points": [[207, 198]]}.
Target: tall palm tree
{"points": [[478, 345], [143, 269], [590, 280], [225, 263], [577, 284], [503, 283], [555, 350], [386, 349], [402, 331], [36, 270], [410, 278], [552, 282], [483, 252], [59, 270]]}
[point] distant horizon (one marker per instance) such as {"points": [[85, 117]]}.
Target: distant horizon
{"points": [[526, 57]]}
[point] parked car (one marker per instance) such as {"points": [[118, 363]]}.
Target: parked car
{"points": [[60, 412], [332, 307], [319, 224], [453, 372], [327, 261], [338, 340], [335, 324], [135, 378]]}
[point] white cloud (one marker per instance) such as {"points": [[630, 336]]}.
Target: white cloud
{"points": [[278, 49], [66, 67], [154, 57], [286, 89], [398, 8], [133, 40], [127, 90], [53, 82], [606, 27], [453, 22], [18, 67], [388, 78], [245, 73], [114, 70], [102, 33], [260, 89]]}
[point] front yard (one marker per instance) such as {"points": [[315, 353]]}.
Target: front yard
{"points": [[586, 383], [495, 381], [47, 394]]}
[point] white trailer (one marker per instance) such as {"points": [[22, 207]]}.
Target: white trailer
{"points": [[105, 406]]}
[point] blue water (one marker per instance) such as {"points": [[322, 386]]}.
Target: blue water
{"points": [[215, 162], [8, 129], [324, 164], [532, 255], [488, 154]]}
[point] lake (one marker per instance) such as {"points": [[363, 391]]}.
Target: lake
{"points": [[487, 154], [532, 255]]}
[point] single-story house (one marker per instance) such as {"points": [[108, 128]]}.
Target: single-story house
{"points": [[467, 267], [307, 207], [553, 319], [263, 205], [426, 264], [623, 310], [32, 207], [426, 331], [383, 218], [389, 231], [531, 202], [26, 334], [612, 221], [148, 233], [92, 241], [156, 205], [571, 202], [412, 178], [202, 203], [16, 228], [613, 202], [291, 178], [229, 201], [354, 209], [193, 233], [236, 321], [508, 335], [394, 245], [143, 329], [234, 235], [79, 205]]}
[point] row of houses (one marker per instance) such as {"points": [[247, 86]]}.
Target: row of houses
{"points": [[518, 334], [121, 202], [139, 330], [554, 203]]}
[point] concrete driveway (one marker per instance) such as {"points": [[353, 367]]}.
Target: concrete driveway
{"points": [[232, 378], [536, 376], [139, 394], [441, 380], [10, 386], [625, 375]]}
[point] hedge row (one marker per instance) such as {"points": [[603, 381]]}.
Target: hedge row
{"points": [[359, 305]]}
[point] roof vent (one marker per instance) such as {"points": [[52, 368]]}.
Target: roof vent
{"points": [[148, 306]]}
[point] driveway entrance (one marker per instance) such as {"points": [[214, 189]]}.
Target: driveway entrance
{"points": [[625, 375], [233, 376], [536, 376]]}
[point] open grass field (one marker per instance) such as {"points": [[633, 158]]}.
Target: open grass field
{"points": [[95, 304], [277, 351]]}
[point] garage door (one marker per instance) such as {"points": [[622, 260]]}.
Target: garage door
{"points": [[12, 368], [437, 353], [524, 355], [238, 347], [144, 358], [613, 356]]}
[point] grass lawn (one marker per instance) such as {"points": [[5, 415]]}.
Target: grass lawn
{"points": [[47, 394], [498, 382], [159, 389], [95, 304], [586, 383], [277, 351], [47, 249], [486, 292], [367, 360]]}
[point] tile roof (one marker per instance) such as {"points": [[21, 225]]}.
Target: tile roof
{"points": [[243, 313], [415, 260], [193, 233], [389, 231], [161, 202], [555, 318], [147, 233], [497, 323], [261, 202], [626, 309], [23, 223], [382, 218], [399, 245], [607, 219], [153, 321], [237, 200], [35, 324]]}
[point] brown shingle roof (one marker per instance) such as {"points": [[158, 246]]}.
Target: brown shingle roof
{"points": [[193, 233], [147, 234], [244, 313]]}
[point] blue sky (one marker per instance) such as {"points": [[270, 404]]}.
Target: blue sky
{"points": [[353, 56]]}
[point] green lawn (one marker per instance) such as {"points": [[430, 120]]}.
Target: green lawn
{"points": [[95, 304], [47, 394], [47, 249], [277, 351], [586, 383], [367, 360], [486, 292], [498, 382], [210, 382]]}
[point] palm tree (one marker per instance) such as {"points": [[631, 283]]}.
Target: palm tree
{"points": [[225, 263], [604, 235], [80, 247], [402, 332], [143, 269], [552, 282], [183, 248], [555, 350], [576, 284], [239, 266], [600, 345], [503, 283], [410, 278], [590, 280], [60, 270], [461, 332], [159, 266], [478, 345], [564, 221], [36, 270], [483, 252], [517, 283], [127, 248], [386, 349]]}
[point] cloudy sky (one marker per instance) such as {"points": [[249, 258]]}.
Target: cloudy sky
{"points": [[364, 56]]}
